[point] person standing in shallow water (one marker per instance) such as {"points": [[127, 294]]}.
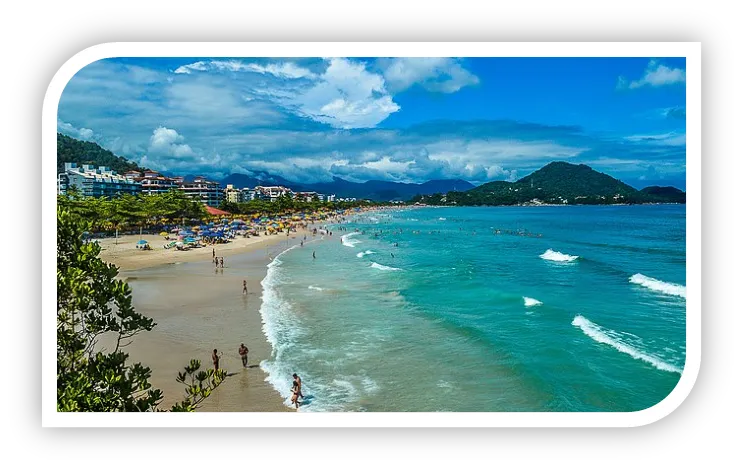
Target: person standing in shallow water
{"points": [[245, 287], [298, 380]]}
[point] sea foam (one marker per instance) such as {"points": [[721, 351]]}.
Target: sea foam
{"points": [[312, 287], [612, 338], [531, 302], [365, 253], [557, 256], [348, 242], [374, 265], [658, 285]]}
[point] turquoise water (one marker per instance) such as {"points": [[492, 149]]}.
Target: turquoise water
{"points": [[566, 309]]}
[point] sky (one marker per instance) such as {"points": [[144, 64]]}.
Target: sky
{"points": [[396, 119]]}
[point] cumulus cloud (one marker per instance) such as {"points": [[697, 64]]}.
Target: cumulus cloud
{"points": [[656, 74], [262, 115], [439, 74], [72, 131], [345, 95], [166, 142]]}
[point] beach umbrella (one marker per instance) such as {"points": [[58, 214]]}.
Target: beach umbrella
{"points": [[179, 243], [174, 230], [163, 233], [142, 241]]}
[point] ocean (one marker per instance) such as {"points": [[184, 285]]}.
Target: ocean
{"points": [[517, 309]]}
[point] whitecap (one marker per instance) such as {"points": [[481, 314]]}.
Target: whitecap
{"points": [[557, 256], [383, 267], [364, 253], [659, 285], [531, 302]]}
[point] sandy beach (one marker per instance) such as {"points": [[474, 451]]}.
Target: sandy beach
{"points": [[198, 308]]}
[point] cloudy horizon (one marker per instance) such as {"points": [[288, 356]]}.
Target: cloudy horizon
{"points": [[395, 119]]}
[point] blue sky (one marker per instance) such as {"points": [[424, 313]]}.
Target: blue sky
{"points": [[398, 119]]}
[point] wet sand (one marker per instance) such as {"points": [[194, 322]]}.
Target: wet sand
{"points": [[198, 308]]}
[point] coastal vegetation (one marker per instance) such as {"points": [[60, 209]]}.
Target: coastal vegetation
{"points": [[152, 211], [132, 211], [286, 204], [91, 305], [558, 183]]}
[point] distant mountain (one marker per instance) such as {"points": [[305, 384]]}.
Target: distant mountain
{"points": [[557, 183], [374, 189], [667, 193], [71, 150]]}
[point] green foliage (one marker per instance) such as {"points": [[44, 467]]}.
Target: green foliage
{"points": [[132, 210], [91, 302], [287, 205], [557, 183], [70, 150]]}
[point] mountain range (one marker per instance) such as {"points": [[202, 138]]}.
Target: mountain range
{"points": [[373, 189], [556, 183], [561, 183]]}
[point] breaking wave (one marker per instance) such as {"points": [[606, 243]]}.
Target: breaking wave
{"points": [[374, 265], [557, 256], [659, 285]]}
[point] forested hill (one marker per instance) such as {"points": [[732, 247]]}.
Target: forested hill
{"points": [[70, 150], [666, 192], [557, 183]]}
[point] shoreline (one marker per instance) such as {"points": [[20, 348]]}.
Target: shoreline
{"points": [[163, 282]]}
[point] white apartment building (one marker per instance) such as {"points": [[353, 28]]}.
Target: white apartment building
{"points": [[272, 192], [95, 182], [203, 190], [155, 183]]}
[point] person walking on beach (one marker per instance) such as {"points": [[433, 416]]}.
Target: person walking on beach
{"points": [[214, 253], [216, 262], [215, 359], [243, 351], [298, 380], [245, 287], [221, 261]]}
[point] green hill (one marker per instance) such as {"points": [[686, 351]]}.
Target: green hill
{"points": [[557, 183], [70, 150], [668, 193]]}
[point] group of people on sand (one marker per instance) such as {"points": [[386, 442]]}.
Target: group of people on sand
{"points": [[218, 261]]}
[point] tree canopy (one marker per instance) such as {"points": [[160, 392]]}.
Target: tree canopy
{"points": [[70, 150]]}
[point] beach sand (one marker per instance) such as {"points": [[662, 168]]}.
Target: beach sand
{"points": [[198, 308]]}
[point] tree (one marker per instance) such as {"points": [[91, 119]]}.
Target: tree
{"points": [[91, 302]]}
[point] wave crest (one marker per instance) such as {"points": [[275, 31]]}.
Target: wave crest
{"points": [[348, 242], [659, 285], [364, 253], [531, 302], [613, 339], [557, 256], [374, 265]]}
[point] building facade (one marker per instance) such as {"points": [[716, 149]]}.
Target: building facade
{"points": [[95, 182], [203, 190], [155, 183], [272, 192]]}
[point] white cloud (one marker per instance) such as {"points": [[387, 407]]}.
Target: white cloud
{"points": [[69, 129], [166, 142], [281, 69], [196, 66], [345, 96], [440, 74], [656, 74], [669, 138]]}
